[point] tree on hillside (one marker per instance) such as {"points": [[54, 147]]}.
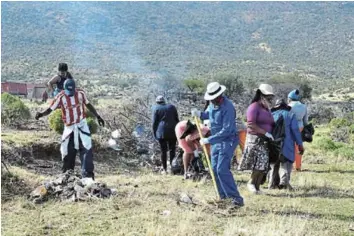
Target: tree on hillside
{"points": [[233, 83], [195, 85]]}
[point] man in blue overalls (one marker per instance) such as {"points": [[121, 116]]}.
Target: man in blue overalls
{"points": [[59, 79], [223, 139]]}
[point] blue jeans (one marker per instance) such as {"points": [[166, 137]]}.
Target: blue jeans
{"points": [[221, 156]]}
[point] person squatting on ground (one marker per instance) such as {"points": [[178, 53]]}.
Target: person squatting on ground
{"points": [[188, 139], [279, 175], [260, 123], [164, 121], [300, 111], [223, 139], [76, 135], [59, 79]]}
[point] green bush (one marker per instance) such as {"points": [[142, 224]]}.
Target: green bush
{"points": [[351, 129], [56, 123], [351, 138], [345, 152], [233, 83], [91, 121], [13, 109], [339, 122], [327, 144], [350, 117], [195, 85]]}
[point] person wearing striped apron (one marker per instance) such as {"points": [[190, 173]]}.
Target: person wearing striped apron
{"points": [[76, 135]]}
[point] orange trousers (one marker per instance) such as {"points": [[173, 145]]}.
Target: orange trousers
{"points": [[298, 157], [242, 137], [242, 142]]}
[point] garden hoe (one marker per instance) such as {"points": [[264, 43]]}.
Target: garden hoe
{"points": [[207, 158]]}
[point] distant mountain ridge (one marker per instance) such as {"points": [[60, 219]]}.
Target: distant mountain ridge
{"points": [[253, 39]]}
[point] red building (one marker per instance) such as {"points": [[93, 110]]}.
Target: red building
{"points": [[36, 91], [14, 88]]}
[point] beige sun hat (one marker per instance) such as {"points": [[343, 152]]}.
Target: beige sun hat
{"points": [[214, 90], [265, 89]]}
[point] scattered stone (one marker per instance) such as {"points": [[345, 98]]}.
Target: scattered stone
{"points": [[185, 198], [39, 192], [48, 226], [57, 190], [351, 227], [114, 191], [38, 200], [166, 213], [105, 193], [28, 206]]}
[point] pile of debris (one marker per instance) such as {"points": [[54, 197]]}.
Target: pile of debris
{"points": [[71, 187]]}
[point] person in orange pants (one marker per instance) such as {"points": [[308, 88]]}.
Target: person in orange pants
{"points": [[242, 141], [242, 136], [300, 111]]}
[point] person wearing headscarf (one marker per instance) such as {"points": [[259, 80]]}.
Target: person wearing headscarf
{"points": [[188, 139], [260, 124], [300, 111], [279, 175], [164, 121]]}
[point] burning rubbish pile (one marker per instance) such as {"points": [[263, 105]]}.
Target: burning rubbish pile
{"points": [[70, 187]]}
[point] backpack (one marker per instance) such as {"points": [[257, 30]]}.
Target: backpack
{"points": [[197, 165], [279, 136], [307, 133], [177, 163]]}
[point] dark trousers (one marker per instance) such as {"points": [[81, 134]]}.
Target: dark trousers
{"points": [[257, 177], [86, 158], [167, 145]]}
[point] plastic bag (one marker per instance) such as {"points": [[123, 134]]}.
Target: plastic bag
{"points": [[177, 163]]}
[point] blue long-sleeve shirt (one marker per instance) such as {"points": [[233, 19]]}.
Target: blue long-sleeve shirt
{"points": [[222, 122], [300, 111], [292, 133]]}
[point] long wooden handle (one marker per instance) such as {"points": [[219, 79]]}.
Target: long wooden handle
{"points": [[196, 119]]}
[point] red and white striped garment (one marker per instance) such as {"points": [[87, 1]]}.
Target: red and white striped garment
{"points": [[72, 108]]}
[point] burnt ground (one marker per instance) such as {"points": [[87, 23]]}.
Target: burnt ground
{"points": [[39, 153], [45, 159]]}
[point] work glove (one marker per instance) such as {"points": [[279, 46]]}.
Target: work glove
{"points": [[301, 149], [100, 121], [269, 135], [38, 115], [195, 112], [203, 141]]}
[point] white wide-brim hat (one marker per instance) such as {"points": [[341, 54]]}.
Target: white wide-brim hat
{"points": [[265, 89], [214, 90]]}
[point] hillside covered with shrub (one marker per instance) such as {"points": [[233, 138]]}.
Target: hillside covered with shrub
{"points": [[181, 39]]}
